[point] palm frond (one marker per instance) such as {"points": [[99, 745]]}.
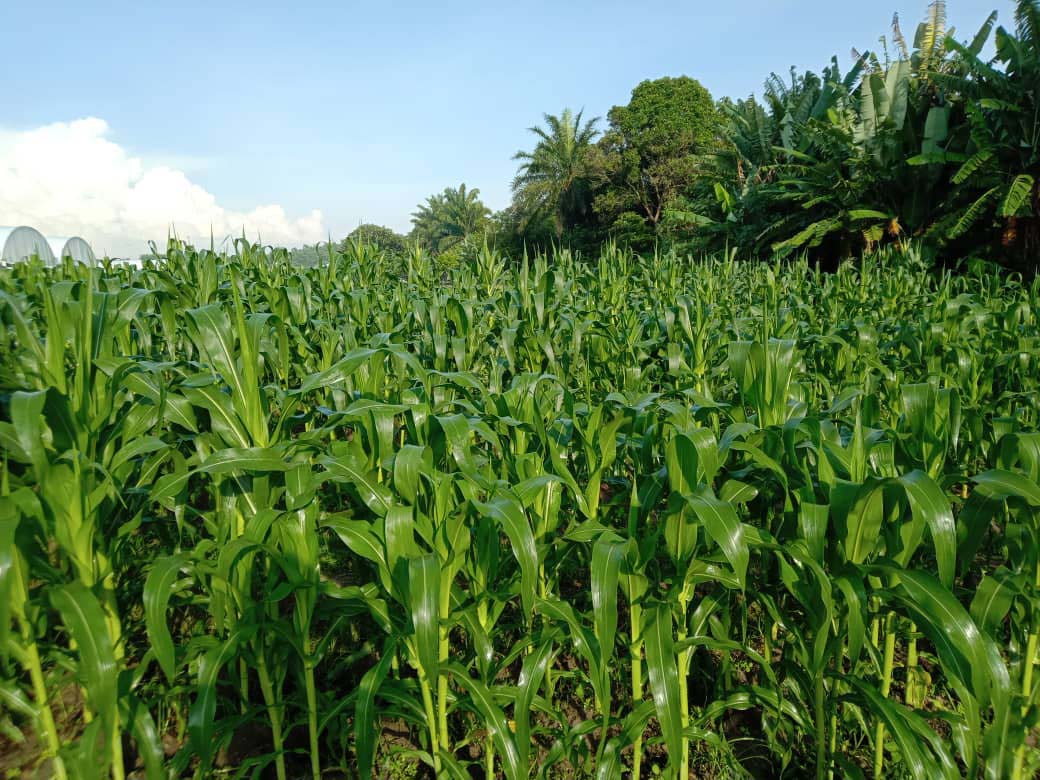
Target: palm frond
{"points": [[973, 213], [1019, 194]]}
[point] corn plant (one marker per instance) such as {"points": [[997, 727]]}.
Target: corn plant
{"points": [[602, 517]]}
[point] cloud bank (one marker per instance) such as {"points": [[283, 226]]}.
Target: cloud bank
{"points": [[68, 178]]}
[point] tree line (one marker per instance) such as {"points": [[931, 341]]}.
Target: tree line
{"points": [[935, 138]]}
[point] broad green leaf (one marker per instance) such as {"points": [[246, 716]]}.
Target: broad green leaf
{"points": [[245, 459], [607, 554], [923, 754], [1001, 485], [424, 584], [372, 492], [661, 662], [494, 720], [158, 588], [725, 529], [508, 511], [97, 668], [967, 656], [201, 725], [927, 501], [365, 734]]}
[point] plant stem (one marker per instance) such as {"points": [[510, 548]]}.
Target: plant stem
{"points": [[543, 591], [114, 632], [914, 697], [50, 731], [637, 683], [886, 686], [442, 681], [116, 742], [431, 719], [820, 716], [312, 716], [243, 685], [1027, 690], [274, 713], [684, 694], [32, 663], [834, 744]]}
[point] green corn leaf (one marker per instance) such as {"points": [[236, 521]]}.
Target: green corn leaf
{"points": [[201, 715], [923, 754], [365, 733], [424, 582], [928, 502], [372, 492], [358, 535], [863, 519], [855, 608], [158, 588], [399, 537], [994, 596], [495, 720], [584, 642], [9, 520], [451, 767], [1002, 485], [336, 373], [970, 659], [244, 459], [610, 765], [607, 555], [662, 666], [409, 464], [146, 737], [509, 512], [724, 527], [97, 668], [27, 418], [532, 673]]}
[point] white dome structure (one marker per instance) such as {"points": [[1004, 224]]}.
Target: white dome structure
{"points": [[78, 249], [21, 243]]}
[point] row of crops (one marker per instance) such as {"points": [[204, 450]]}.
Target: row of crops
{"points": [[631, 517]]}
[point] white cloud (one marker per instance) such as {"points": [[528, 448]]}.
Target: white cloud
{"points": [[68, 178]]}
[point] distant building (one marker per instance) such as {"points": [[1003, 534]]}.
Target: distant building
{"points": [[18, 244]]}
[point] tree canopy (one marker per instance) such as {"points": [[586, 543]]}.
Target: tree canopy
{"points": [[924, 138], [449, 218], [650, 155], [382, 238], [553, 178]]}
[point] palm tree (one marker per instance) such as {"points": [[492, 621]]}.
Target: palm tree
{"points": [[450, 218], [552, 178]]}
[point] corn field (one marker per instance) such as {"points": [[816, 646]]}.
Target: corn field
{"points": [[616, 518]]}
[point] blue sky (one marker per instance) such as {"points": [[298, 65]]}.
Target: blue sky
{"points": [[362, 109]]}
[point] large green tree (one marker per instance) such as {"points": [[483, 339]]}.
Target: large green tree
{"points": [[553, 177], [379, 237], [651, 153], [450, 218]]}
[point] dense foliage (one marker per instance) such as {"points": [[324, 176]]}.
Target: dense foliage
{"points": [[929, 139], [555, 519], [450, 218]]}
